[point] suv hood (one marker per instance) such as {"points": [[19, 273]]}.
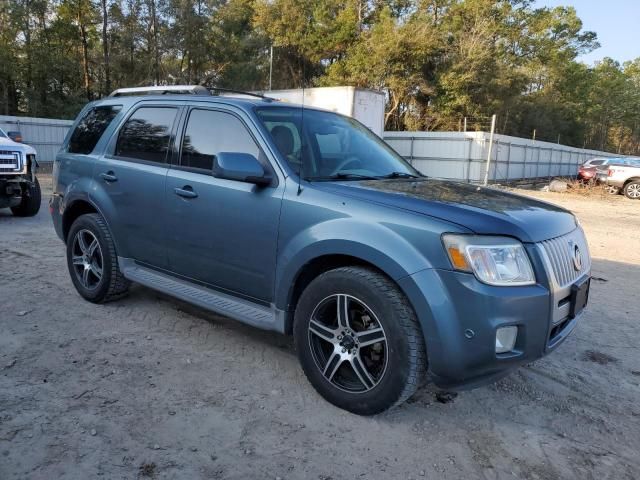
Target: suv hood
{"points": [[6, 142], [483, 210]]}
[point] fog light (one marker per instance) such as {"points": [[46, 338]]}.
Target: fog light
{"points": [[506, 339]]}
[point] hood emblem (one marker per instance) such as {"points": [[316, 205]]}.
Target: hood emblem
{"points": [[577, 258]]}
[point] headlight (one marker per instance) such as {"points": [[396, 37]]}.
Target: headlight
{"points": [[493, 260]]}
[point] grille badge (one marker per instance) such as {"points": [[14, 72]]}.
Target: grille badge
{"points": [[577, 258]]}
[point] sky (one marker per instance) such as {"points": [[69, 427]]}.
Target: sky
{"points": [[617, 23]]}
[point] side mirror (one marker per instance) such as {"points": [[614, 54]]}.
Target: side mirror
{"points": [[242, 167]]}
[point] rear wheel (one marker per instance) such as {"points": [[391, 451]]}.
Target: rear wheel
{"points": [[359, 341], [92, 260], [31, 199], [632, 190]]}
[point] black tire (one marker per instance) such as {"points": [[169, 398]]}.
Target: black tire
{"points": [[385, 306], [31, 199], [111, 284], [632, 190]]}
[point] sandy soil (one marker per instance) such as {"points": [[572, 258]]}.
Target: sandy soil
{"points": [[149, 387]]}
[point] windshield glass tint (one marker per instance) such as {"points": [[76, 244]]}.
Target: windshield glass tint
{"points": [[325, 145]]}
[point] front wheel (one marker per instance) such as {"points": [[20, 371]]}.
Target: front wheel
{"points": [[359, 341], [632, 190], [31, 199]]}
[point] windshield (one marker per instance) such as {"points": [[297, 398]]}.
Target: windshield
{"points": [[2, 134], [326, 146]]}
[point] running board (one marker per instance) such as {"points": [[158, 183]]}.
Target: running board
{"points": [[245, 311]]}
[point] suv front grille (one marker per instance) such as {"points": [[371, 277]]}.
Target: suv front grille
{"points": [[10, 161], [561, 252]]}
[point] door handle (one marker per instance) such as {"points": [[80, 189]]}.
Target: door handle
{"points": [[186, 192], [109, 177]]}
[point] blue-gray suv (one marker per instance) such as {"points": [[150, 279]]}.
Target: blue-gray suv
{"points": [[304, 222]]}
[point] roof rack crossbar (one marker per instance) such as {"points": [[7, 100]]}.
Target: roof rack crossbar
{"points": [[161, 90]]}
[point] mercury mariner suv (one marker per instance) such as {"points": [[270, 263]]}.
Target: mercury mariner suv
{"points": [[304, 222], [19, 187]]}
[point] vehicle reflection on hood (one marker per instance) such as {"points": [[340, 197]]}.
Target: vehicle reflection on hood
{"points": [[459, 193]]}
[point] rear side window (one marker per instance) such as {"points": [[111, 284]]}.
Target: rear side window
{"points": [[146, 134], [208, 133], [89, 130]]}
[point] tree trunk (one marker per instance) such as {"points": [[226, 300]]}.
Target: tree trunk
{"points": [[105, 48], [82, 28], [85, 59], [27, 45], [156, 52]]}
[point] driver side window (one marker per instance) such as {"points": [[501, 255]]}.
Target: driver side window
{"points": [[210, 132]]}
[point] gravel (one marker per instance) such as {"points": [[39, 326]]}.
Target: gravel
{"points": [[176, 392]]}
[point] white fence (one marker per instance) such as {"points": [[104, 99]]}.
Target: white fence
{"points": [[44, 134], [463, 156], [450, 155]]}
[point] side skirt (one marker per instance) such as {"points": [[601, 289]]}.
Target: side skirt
{"points": [[245, 311]]}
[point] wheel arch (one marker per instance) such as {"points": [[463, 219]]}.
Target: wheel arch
{"points": [[76, 208], [313, 269], [630, 180], [73, 211]]}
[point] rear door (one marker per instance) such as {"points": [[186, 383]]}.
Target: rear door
{"points": [[131, 179], [224, 233]]}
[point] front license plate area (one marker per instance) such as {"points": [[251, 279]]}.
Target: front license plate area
{"points": [[579, 297]]}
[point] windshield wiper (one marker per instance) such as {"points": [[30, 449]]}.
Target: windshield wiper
{"points": [[343, 176], [400, 175]]}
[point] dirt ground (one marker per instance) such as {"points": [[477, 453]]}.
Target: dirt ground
{"points": [[148, 387]]}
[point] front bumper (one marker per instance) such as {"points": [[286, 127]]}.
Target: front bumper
{"points": [[11, 187], [460, 315]]}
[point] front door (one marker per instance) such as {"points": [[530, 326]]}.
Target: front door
{"points": [[222, 233]]}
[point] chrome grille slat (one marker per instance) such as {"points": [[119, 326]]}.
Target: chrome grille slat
{"points": [[10, 161], [560, 255]]}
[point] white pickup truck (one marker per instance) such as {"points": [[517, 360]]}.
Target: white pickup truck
{"points": [[19, 187], [626, 178]]}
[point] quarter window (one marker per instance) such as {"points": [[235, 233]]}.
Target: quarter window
{"points": [[208, 133], [146, 134], [89, 130]]}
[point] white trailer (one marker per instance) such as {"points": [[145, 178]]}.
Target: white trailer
{"points": [[366, 106]]}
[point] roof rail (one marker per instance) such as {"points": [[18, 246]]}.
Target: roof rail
{"points": [[182, 89], [242, 92], [161, 90]]}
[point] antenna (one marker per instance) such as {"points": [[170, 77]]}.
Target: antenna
{"points": [[302, 133]]}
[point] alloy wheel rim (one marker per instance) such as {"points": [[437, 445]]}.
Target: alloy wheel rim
{"points": [[87, 260], [348, 343], [634, 190]]}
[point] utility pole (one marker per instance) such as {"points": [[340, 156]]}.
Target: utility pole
{"points": [[465, 124], [493, 129], [270, 66]]}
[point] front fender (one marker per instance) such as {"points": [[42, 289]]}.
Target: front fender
{"points": [[370, 242]]}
